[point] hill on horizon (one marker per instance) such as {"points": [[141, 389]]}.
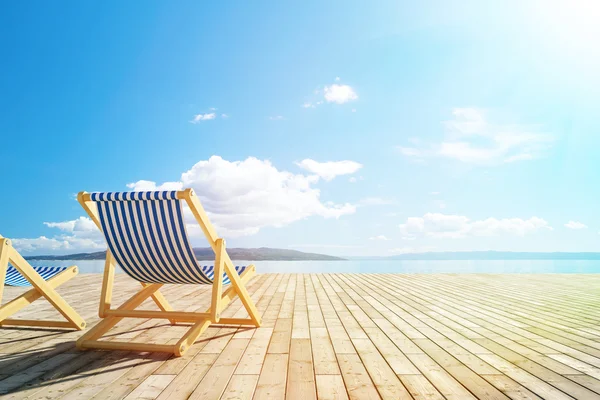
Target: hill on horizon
{"points": [[206, 253]]}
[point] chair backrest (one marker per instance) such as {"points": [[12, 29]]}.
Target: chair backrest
{"points": [[146, 233]]}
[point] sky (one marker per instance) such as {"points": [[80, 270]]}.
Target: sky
{"points": [[339, 127]]}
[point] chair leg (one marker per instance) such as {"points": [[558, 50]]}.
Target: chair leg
{"points": [[15, 305], [90, 340], [241, 291], [107, 289], [32, 295], [230, 294], [4, 243], [45, 289], [108, 322], [190, 337], [217, 289], [161, 302]]}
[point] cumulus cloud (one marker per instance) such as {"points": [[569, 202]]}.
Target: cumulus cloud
{"points": [[330, 169], [575, 225], [81, 224], [77, 235], [470, 138], [339, 94], [379, 237], [439, 225], [276, 118], [241, 197]]}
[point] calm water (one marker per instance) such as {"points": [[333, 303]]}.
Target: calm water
{"points": [[391, 266]]}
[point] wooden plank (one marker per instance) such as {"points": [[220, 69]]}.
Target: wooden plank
{"points": [[254, 356], [282, 334], [356, 378], [216, 379], [272, 379], [182, 386], [129, 381], [151, 387], [241, 387], [301, 375], [420, 388], [331, 387], [387, 383]]}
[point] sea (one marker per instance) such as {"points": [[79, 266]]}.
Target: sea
{"points": [[389, 266]]}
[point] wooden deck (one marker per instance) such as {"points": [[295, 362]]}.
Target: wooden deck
{"points": [[334, 336]]}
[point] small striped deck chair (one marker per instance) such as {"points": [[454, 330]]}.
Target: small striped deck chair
{"points": [[16, 271], [146, 236]]}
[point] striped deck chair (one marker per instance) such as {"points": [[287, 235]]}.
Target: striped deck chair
{"points": [[16, 271], [146, 235]]}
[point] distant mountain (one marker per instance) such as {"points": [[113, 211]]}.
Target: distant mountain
{"points": [[495, 255], [206, 253]]}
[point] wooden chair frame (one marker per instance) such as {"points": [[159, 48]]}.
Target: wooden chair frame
{"points": [[201, 321], [41, 288]]}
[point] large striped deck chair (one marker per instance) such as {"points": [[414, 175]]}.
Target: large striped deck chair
{"points": [[146, 236], [16, 271]]}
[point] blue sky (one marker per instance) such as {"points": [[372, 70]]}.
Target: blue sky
{"points": [[348, 128]]}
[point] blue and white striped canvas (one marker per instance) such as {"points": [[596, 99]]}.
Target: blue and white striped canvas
{"points": [[14, 277], [146, 233]]}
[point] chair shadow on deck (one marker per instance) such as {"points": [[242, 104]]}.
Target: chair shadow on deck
{"points": [[56, 365]]}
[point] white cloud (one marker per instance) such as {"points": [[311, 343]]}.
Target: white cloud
{"points": [[575, 225], [439, 225], [224, 115], [277, 118], [81, 224], [352, 179], [241, 197], [330, 169], [203, 117], [339, 94], [80, 235], [335, 93], [379, 237], [470, 138]]}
